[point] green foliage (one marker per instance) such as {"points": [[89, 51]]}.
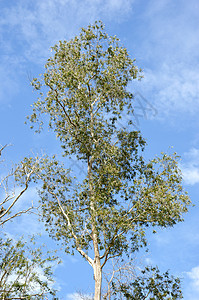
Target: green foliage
{"points": [[152, 285], [25, 270], [84, 92], [90, 72]]}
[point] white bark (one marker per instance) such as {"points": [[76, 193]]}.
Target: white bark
{"points": [[98, 278]]}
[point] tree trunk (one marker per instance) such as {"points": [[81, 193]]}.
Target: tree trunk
{"points": [[97, 263], [98, 278]]}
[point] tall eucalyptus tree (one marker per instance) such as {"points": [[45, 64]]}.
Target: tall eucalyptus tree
{"points": [[84, 92]]}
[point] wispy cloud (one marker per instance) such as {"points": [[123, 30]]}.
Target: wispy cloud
{"points": [[190, 166], [171, 44], [29, 28], [194, 275], [174, 90], [191, 290], [191, 175], [8, 78], [39, 24], [78, 296]]}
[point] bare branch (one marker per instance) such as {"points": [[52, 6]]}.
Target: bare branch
{"points": [[121, 272], [3, 148], [11, 198], [17, 197]]}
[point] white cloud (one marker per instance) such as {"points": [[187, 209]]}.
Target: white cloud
{"points": [[39, 24], [173, 29], [74, 296], [194, 276], [170, 49], [78, 296], [190, 166], [29, 28], [191, 289], [8, 79], [26, 224], [191, 175], [116, 7], [193, 153], [174, 89]]}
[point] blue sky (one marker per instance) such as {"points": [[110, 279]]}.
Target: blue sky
{"points": [[163, 36]]}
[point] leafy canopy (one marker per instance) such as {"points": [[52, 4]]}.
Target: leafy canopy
{"points": [[84, 92]]}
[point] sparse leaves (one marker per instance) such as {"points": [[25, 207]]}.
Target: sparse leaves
{"points": [[25, 270], [151, 285], [12, 191]]}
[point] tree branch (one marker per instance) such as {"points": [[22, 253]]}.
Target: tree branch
{"points": [[3, 148], [90, 260]]}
